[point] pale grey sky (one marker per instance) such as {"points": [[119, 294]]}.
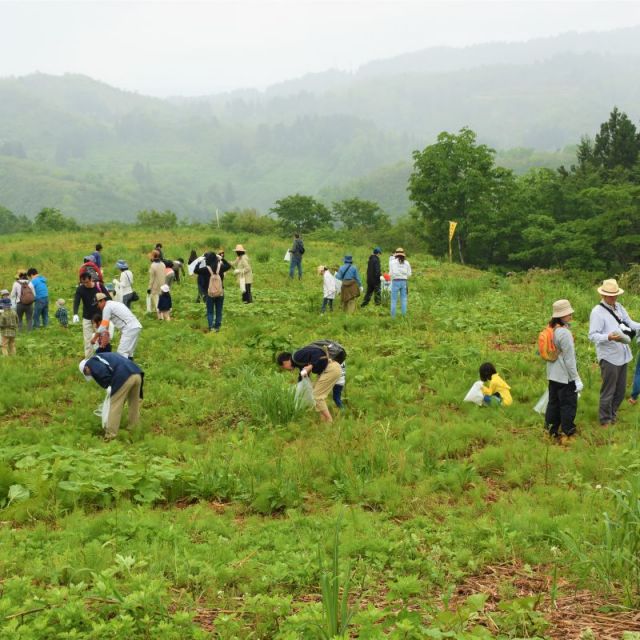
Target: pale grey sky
{"points": [[193, 48]]}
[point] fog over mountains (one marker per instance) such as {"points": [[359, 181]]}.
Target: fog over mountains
{"points": [[97, 152]]}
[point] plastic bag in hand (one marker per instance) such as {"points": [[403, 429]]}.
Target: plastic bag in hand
{"points": [[541, 406], [475, 394], [304, 394]]}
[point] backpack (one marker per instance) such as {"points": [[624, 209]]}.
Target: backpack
{"points": [[546, 346], [215, 289], [26, 293], [335, 350]]}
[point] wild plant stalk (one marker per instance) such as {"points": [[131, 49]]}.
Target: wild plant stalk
{"points": [[337, 614]]}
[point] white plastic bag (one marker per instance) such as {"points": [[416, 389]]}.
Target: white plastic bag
{"points": [[149, 303], [541, 406], [103, 409], [475, 394], [304, 394], [287, 256]]}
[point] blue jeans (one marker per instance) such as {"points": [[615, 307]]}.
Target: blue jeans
{"points": [[296, 261], [337, 395], [40, 308], [635, 391], [214, 311], [398, 287]]}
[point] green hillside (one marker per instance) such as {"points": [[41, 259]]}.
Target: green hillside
{"points": [[216, 517]]}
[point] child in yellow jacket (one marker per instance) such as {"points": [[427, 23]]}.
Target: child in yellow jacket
{"points": [[495, 389]]}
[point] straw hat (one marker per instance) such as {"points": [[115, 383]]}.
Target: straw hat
{"points": [[239, 247], [154, 255], [400, 252], [60, 302], [4, 292], [100, 296], [21, 273], [610, 288], [561, 308]]}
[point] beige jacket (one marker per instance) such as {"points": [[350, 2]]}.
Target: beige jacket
{"points": [[242, 264], [156, 277]]}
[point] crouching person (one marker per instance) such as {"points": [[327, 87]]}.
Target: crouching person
{"points": [[315, 359], [126, 381]]}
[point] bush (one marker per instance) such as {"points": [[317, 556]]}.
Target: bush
{"points": [[157, 219]]}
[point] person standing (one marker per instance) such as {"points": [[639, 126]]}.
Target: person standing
{"points": [[610, 329], [400, 272], [126, 380], [125, 283], [562, 374], [156, 279], [164, 302], [314, 359], [86, 293], [214, 264], [124, 320], [296, 252], [373, 278], [22, 296], [242, 269], [41, 303], [97, 256], [8, 324], [351, 284]]}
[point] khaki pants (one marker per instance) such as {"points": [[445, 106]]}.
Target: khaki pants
{"points": [[154, 302], [8, 345], [349, 306], [325, 383], [87, 334], [129, 391]]}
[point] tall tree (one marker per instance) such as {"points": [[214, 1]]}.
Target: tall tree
{"points": [[618, 143], [355, 213], [455, 179], [300, 213]]}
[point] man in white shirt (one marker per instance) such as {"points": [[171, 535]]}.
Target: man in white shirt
{"points": [[122, 319], [609, 329]]}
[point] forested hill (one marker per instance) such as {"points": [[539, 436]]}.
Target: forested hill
{"points": [[93, 150]]}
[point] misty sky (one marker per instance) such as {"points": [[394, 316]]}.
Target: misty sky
{"points": [[194, 48]]}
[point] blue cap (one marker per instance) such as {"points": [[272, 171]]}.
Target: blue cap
{"points": [[122, 264], [348, 259], [377, 250]]}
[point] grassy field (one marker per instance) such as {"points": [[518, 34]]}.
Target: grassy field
{"points": [[229, 514]]}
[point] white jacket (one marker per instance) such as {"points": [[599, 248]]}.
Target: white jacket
{"points": [[400, 270], [329, 285]]}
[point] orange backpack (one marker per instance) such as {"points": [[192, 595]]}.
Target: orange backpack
{"points": [[546, 346]]}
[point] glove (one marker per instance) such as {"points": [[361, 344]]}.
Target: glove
{"points": [[579, 385], [361, 289], [76, 319], [304, 373]]}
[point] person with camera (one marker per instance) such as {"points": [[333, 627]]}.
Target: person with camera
{"points": [[611, 330]]}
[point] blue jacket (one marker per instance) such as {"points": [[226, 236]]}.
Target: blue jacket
{"points": [[40, 285], [315, 356], [349, 271], [113, 370]]}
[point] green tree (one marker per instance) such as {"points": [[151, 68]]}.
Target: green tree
{"points": [[301, 213], [456, 179], [51, 219], [618, 143], [157, 219], [11, 223], [355, 213]]}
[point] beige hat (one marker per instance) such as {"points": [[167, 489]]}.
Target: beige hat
{"points": [[561, 308], [400, 252], [100, 296], [239, 247], [610, 288], [60, 302]]}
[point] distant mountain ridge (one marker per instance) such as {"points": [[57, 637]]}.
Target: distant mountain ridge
{"points": [[96, 151]]}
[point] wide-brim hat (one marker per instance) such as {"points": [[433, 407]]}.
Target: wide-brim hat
{"points": [[348, 259], [561, 308], [122, 264], [400, 252], [154, 255], [610, 288], [239, 247], [4, 292], [100, 296], [81, 366], [165, 288]]}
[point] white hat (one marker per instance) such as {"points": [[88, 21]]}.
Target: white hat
{"points": [[165, 288], [81, 366], [561, 308], [610, 288], [100, 296]]}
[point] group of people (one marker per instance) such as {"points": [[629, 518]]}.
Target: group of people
{"points": [[347, 283]]}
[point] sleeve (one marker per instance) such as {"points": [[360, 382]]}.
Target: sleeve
{"points": [[408, 269], [339, 273], [225, 266], [357, 277], [150, 276], [486, 390], [377, 271], [567, 349], [597, 333], [76, 301]]}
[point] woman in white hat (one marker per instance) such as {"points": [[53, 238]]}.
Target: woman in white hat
{"points": [[562, 374], [611, 330], [400, 272], [242, 269]]}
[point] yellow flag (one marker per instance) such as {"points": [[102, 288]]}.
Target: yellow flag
{"points": [[452, 230]]}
